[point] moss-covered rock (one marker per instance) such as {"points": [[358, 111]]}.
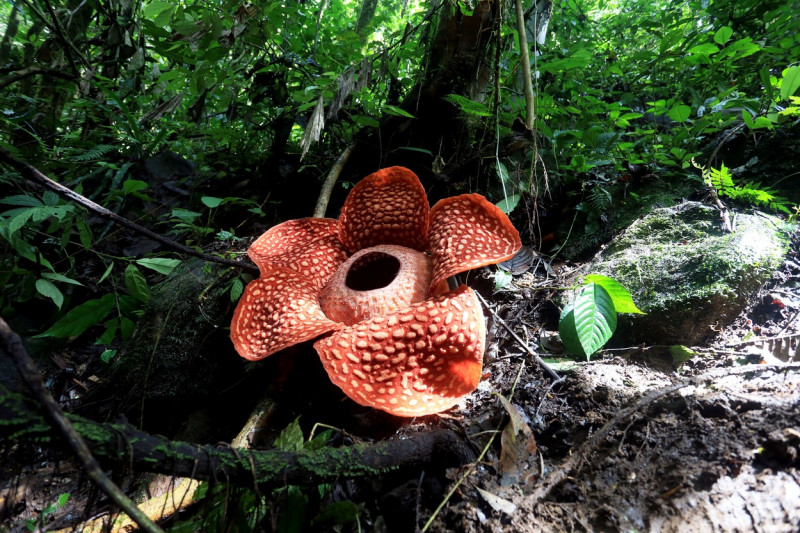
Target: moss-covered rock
{"points": [[687, 273], [181, 347]]}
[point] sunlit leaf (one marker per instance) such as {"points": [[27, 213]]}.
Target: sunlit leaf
{"points": [[623, 302], [790, 82]]}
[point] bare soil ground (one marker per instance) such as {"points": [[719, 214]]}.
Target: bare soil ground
{"points": [[614, 449]]}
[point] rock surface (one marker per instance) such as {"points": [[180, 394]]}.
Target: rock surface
{"points": [[688, 274]]}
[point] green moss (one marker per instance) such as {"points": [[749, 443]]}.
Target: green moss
{"points": [[680, 265]]}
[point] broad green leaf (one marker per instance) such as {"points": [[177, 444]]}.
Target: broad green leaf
{"points": [[111, 331], [126, 328], [22, 200], [136, 284], [164, 16], [162, 265], [154, 8], [48, 290], [723, 34], [50, 198], [131, 186], [705, 49], [468, 106], [680, 112], [291, 438], [623, 302], [20, 220], [107, 355], [54, 276], [507, 205], [394, 110], [85, 233], [106, 273], [748, 118], [680, 354], [790, 82], [212, 201], [81, 318], [236, 289], [587, 324]]}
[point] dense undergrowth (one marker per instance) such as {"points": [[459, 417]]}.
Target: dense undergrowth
{"points": [[190, 117]]}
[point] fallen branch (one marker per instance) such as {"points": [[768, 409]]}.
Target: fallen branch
{"points": [[12, 345], [121, 445], [35, 175], [576, 459]]}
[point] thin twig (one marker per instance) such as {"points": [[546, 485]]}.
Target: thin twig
{"points": [[576, 459], [521, 342], [12, 344], [330, 181], [33, 174]]}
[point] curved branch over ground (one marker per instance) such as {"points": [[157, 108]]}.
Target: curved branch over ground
{"points": [[122, 445], [33, 174]]}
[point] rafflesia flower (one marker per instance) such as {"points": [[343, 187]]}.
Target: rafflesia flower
{"points": [[373, 286]]}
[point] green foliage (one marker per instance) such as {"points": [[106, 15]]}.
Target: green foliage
{"points": [[590, 320], [751, 193], [36, 524]]}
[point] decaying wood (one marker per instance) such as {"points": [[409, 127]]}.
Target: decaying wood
{"points": [[33, 174], [11, 343]]}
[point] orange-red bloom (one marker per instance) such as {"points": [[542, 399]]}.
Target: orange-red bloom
{"points": [[375, 281]]}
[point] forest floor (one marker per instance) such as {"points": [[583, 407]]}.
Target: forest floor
{"points": [[635, 440]]}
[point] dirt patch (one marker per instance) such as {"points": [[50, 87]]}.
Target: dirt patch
{"points": [[718, 454]]}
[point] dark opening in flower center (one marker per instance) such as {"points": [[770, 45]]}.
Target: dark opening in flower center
{"points": [[372, 271]]}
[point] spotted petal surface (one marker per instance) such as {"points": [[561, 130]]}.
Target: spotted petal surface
{"points": [[418, 361], [387, 207], [278, 310], [310, 246], [466, 232]]}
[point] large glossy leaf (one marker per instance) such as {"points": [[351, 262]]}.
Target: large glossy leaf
{"points": [[587, 324]]}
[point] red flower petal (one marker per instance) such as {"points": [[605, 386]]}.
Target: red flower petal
{"points": [[415, 362], [278, 310], [387, 207], [309, 246], [468, 231]]}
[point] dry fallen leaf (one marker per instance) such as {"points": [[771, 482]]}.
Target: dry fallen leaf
{"points": [[517, 448]]}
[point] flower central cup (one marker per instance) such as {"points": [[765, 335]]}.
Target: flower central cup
{"points": [[377, 281]]}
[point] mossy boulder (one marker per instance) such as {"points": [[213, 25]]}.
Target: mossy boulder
{"points": [[687, 273]]}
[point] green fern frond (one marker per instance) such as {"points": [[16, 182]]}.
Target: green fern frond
{"points": [[600, 198], [94, 153]]}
